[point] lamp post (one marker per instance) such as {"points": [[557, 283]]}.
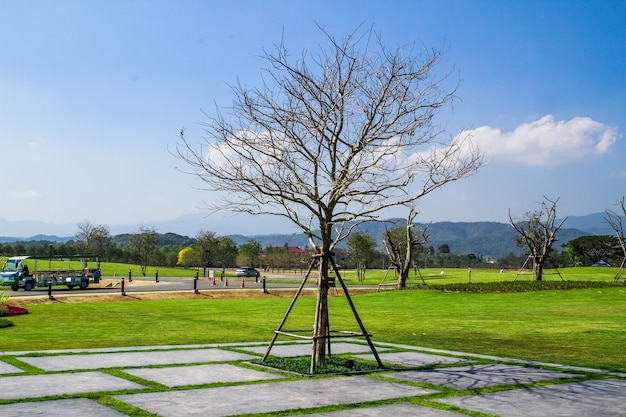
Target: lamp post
{"points": [[469, 265]]}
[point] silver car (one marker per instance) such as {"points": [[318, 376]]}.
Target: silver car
{"points": [[247, 271]]}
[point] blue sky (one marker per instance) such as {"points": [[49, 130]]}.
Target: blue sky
{"points": [[94, 93]]}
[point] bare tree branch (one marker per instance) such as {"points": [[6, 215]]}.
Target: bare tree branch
{"points": [[615, 221], [331, 139]]}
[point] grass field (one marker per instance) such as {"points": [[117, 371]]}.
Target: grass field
{"points": [[372, 277], [582, 327]]}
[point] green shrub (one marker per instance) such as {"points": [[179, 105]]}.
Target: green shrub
{"points": [[5, 323], [519, 286], [3, 304], [332, 365]]}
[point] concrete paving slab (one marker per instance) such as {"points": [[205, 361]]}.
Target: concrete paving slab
{"points": [[272, 397], [478, 376], [6, 368], [492, 358], [35, 386], [80, 407], [201, 374], [396, 410], [131, 348], [302, 349], [414, 359], [597, 398], [132, 359]]}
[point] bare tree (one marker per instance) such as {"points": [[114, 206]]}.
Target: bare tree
{"points": [[330, 139], [615, 221], [401, 245], [144, 242], [93, 238], [361, 249], [537, 233]]}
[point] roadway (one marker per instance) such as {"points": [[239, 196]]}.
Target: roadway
{"points": [[111, 285]]}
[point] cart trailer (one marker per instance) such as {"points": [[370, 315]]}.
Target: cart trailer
{"points": [[29, 272]]}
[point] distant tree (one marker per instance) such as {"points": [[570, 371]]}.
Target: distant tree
{"points": [[213, 250], [143, 243], [361, 251], [282, 257], [586, 250], [167, 255], [537, 233], [511, 261], [615, 221], [332, 142], [403, 245], [19, 248], [226, 252], [92, 238], [444, 248], [251, 251], [204, 249]]}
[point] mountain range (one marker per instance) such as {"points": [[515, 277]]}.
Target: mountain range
{"points": [[485, 238]]}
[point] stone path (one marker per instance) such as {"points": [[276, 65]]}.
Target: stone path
{"points": [[479, 376], [132, 359], [265, 398], [211, 380]]}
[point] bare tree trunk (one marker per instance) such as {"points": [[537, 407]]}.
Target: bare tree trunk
{"points": [[404, 267], [403, 275], [320, 330], [361, 272], [538, 267]]}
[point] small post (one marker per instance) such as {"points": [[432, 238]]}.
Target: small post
{"points": [[123, 292], [195, 284], [130, 276], [264, 289], [156, 276], [50, 297]]}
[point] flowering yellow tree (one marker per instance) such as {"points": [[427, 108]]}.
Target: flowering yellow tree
{"points": [[184, 256]]}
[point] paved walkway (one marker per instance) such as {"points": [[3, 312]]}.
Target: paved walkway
{"points": [[212, 380]]}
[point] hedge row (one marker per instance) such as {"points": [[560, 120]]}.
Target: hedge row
{"points": [[521, 286]]}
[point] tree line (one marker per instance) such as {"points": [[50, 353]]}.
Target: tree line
{"points": [[147, 247]]}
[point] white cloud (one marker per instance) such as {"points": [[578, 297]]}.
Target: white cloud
{"points": [[546, 142]]}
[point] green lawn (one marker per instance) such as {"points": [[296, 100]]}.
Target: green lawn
{"points": [[574, 327], [459, 275]]}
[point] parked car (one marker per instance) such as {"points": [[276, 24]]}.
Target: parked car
{"points": [[247, 271]]}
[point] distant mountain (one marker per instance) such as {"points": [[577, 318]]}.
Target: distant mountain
{"points": [[482, 238], [187, 225], [593, 224], [23, 229], [37, 238]]}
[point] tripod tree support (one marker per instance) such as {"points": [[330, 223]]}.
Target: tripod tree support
{"points": [[327, 334]]}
